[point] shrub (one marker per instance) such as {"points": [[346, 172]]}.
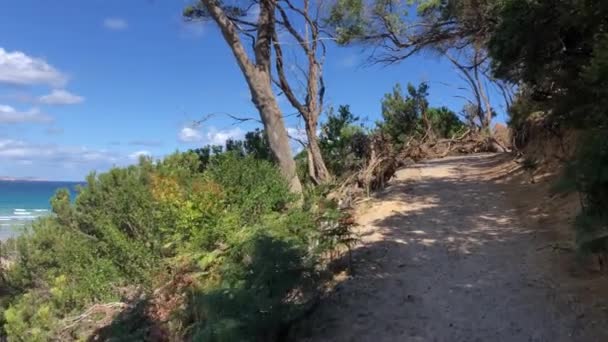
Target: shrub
{"points": [[588, 174], [257, 277], [344, 144], [251, 185], [232, 226]]}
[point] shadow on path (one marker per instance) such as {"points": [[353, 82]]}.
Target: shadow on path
{"points": [[444, 257]]}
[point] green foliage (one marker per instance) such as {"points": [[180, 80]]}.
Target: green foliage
{"points": [[557, 49], [404, 116], [594, 80], [445, 123], [198, 11], [256, 145], [402, 112], [588, 174], [252, 192], [59, 271], [402, 28], [358, 20], [344, 144], [348, 18], [257, 277], [233, 222]]}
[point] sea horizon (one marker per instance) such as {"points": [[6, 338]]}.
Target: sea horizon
{"points": [[35, 179], [23, 201]]}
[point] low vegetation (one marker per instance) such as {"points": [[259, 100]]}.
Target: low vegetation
{"points": [[246, 256]]}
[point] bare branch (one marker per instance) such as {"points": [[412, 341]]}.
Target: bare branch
{"points": [[230, 32], [237, 119], [282, 82]]}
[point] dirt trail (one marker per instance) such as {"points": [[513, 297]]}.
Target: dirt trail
{"points": [[445, 257]]}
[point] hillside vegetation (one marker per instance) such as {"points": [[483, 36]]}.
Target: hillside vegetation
{"points": [[223, 245]]}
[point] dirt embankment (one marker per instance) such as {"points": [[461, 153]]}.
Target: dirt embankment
{"points": [[465, 249]]}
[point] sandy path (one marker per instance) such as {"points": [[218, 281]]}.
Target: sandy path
{"points": [[444, 257]]}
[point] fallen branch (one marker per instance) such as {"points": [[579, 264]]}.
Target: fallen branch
{"points": [[105, 308]]}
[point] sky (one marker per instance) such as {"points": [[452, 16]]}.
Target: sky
{"points": [[87, 85]]}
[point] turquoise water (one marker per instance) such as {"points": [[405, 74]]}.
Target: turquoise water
{"points": [[24, 201]]}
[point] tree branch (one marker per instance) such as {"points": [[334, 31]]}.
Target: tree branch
{"points": [[230, 32]]}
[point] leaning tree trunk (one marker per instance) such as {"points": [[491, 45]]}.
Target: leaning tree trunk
{"points": [[310, 109], [264, 99], [258, 78], [317, 170]]}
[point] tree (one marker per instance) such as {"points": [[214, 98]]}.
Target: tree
{"points": [[403, 28], [444, 122], [558, 52], [556, 49], [403, 113], [344, 143], [311, 43], [256, 145], [408, 115], [256, 69], [235, 146], [455, 29]]}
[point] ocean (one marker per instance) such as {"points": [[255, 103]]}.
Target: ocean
{"points": [[21, 202]]}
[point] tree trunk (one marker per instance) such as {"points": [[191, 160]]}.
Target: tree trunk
{"points": [[258, 78], [429, 134], [264, 99], [315, 89], [318, 171], [311, 117]]}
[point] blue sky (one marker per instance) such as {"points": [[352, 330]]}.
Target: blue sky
{"points": [[85, 85]]}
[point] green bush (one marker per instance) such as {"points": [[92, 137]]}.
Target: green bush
{"points": [[232, 225], [251, 185], [404, 116], [588, 174], [344, 144], [257, 277]]}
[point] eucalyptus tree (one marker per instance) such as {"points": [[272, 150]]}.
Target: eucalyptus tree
{"points": [[256, 67], [309, 15], [278, 23]]}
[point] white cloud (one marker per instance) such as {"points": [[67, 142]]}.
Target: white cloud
{"points": [[219, 137], [60, 97], [21, 158], [9, 115], [190, 135], [115, 24], [138, 154], [18, 68], [18, 150], [213, 136]]}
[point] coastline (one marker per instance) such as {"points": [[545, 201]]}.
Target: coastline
{"points": [[22, 201]]}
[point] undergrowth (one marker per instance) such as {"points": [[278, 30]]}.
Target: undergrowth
{"points": [[588, 175], [251, 253]]}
